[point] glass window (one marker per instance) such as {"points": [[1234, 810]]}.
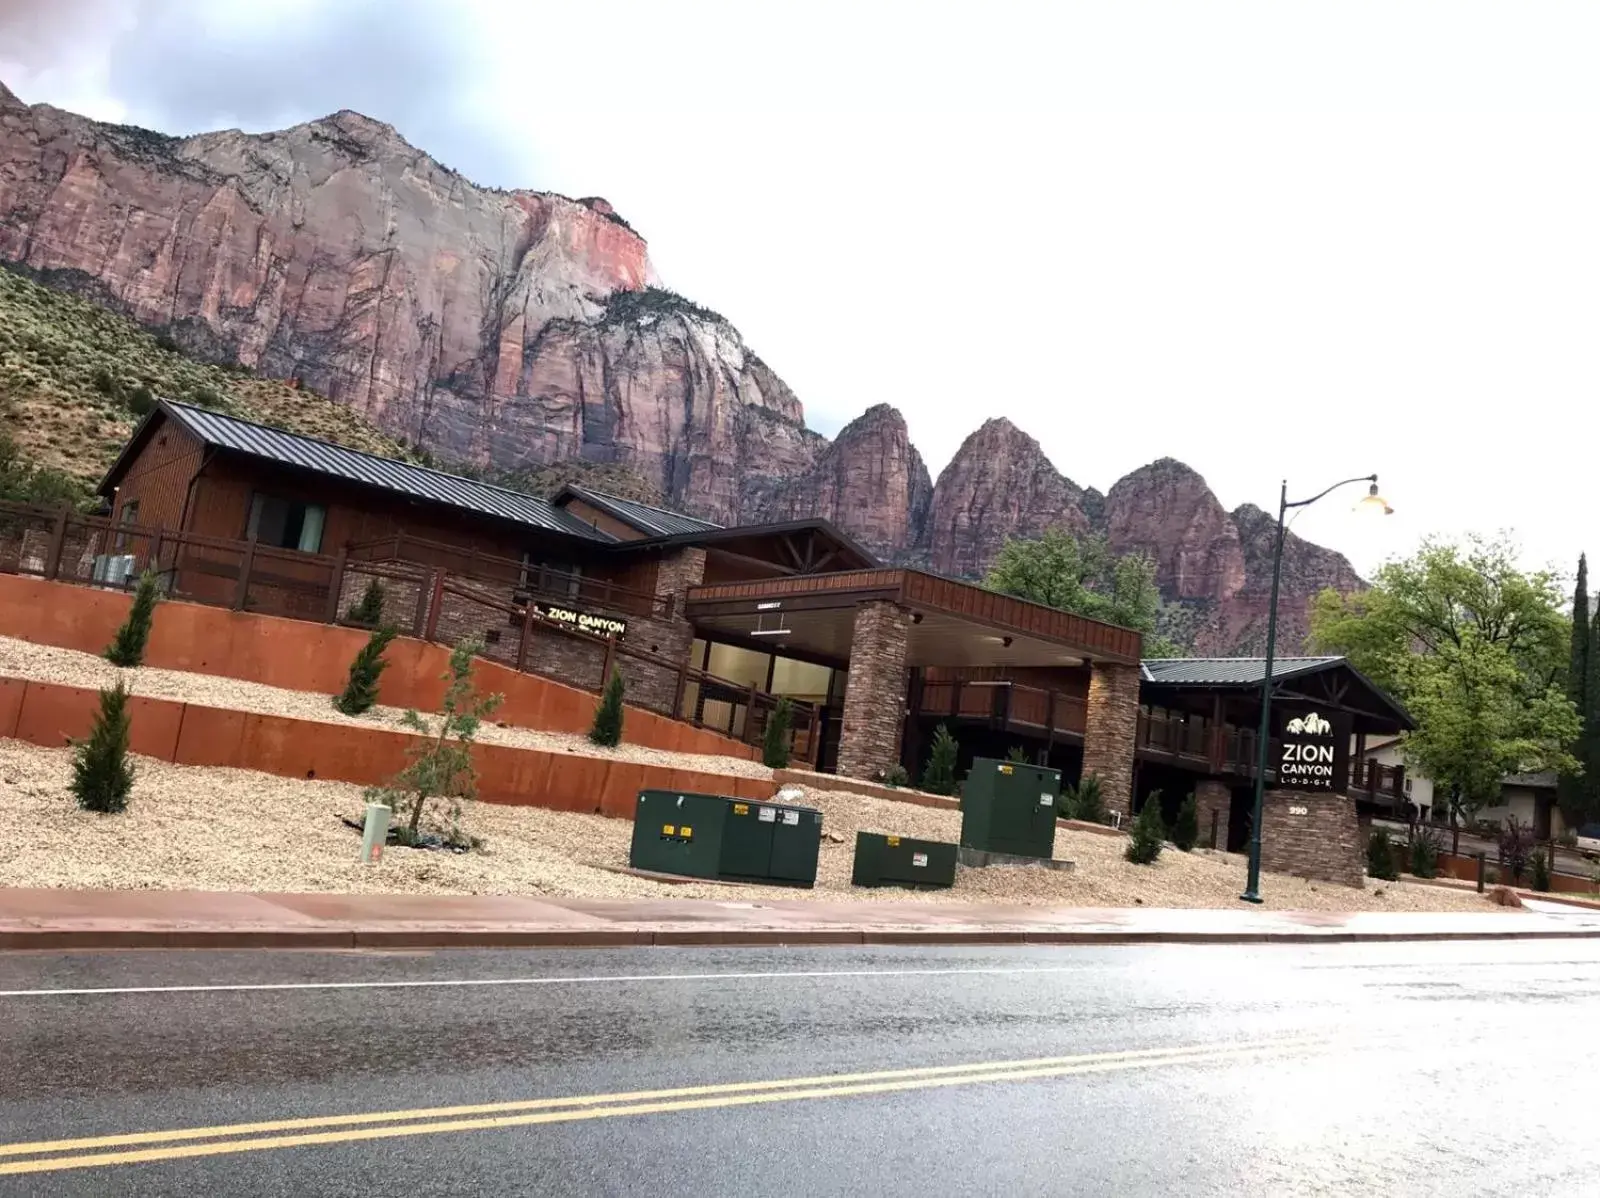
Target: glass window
{"points": [[800, 680], [130, 515], [286, 523]]}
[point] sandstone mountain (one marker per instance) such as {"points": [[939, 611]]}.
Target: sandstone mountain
{"points": [[512, 330]]}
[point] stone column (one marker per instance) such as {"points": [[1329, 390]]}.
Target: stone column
{"points": [[1213, 796], [874, 693], [1312, 834], [668, 637], [1111, 724], [676, 573]]}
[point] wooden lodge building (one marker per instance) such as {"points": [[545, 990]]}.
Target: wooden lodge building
{"points": [[707, 624]]}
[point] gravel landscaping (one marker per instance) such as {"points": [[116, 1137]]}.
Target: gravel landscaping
{"points": [[216, 829], [68, 667]]}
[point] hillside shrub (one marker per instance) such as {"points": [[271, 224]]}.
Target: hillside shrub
{"points": [[102, 777]]}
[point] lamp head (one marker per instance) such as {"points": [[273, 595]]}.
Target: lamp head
{"points": [[1374, 504]]}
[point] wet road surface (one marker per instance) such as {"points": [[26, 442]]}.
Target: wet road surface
{"points": [[1396, 1069]]}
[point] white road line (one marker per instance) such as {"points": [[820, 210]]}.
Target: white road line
{"points": [[240, 987]]}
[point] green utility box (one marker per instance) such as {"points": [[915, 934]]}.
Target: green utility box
{"points": [[900, 861], [1009, 807], [720, 837]]}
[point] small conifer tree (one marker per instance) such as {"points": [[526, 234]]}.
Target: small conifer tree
{"points": [[775, 745], [1380, 856], [127, 646], [102, 777], [367, 612], [607, 728], [361, 691], [939, 777], [1148, 832], [1186, 828]]}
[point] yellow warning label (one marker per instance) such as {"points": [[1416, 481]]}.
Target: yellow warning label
{"points": [[668, 830], [892, 839], [1006, 769], [686, 832], [741, 808]]}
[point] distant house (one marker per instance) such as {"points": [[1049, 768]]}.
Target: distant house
{"points": [[1527, 798]]}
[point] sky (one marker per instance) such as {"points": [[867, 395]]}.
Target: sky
{"points": [[1276, 241]]}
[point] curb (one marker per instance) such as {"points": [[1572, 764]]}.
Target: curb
{"points": [[58, 940]]}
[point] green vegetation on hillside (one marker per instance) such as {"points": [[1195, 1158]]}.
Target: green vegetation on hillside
{"points": [[75, 378], [626, 307]]}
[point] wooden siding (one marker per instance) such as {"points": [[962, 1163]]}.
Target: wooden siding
{"points": [[604, 521], [158, 477]]}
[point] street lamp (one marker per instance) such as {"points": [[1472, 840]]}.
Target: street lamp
{"points": [[1373, 504]]}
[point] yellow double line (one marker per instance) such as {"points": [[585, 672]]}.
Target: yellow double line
{"points": [[45, 1156]]}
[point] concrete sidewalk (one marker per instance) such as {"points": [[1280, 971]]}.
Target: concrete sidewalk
{"points": [[91, 919]]}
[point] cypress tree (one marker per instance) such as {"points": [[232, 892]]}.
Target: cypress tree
{"points": [[1575, 791], [1589, 747], [127, 646], [361, 691], [775, 746], [939, 778], [101, 775], [607, 727]]}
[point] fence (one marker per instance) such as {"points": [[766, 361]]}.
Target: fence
{"points": [[422, 598]]}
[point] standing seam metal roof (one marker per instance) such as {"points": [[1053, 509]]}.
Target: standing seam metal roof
{"points": [[1226, 671], [418, 482], [654, 521]]}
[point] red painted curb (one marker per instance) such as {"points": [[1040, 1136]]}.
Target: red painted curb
{"points": [[46, 939]]}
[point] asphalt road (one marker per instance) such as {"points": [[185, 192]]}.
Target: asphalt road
{"points": [[1407, 1069]]}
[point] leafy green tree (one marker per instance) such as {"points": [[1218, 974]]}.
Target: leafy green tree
{"points": [[361, 690], [1477, 650], [939, 778], [440, 765], [22, 481], [1576, 786], [775, 743], [102, 777], [606, 730], [1186, 828], [1081, 574], [1148, 832], [127, 646]]}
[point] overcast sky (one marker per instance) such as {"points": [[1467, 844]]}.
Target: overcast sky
{"points": [[1270, 239]]}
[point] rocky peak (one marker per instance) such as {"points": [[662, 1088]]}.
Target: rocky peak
{"points": [[999, 485], [870, 481], [8, 98], [1167, 511]]}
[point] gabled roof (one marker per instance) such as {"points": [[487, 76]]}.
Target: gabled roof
{"points": [[216, 430], [650, 520], [1227, 671]]}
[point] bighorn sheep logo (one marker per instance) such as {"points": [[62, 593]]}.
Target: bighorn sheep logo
{"points": [[1311, 725]]}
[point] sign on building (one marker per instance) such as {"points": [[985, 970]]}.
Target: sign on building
{"points": [[1314, 752], [582, 620]]}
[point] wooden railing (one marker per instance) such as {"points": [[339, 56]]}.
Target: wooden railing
{"points": [[1006, 705], [1377, 781], [427, 601]]}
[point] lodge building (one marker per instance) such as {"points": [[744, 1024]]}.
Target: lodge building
{"points": [[708, 624]]}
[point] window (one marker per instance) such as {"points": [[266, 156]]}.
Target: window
{"points": [[286, 523], [130, 515]]}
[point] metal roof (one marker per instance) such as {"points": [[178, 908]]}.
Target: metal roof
{"points": [[1227, 671], [648, 519], [417, 482]]}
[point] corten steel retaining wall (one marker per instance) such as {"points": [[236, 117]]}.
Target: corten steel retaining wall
{"points": [[49, 714], [305, 656]]}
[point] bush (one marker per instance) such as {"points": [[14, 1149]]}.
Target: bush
{"points": [[141, 401], [441, 765], [775, 745], [361, 691], [1516, 846], [367, 612], [1380, 856], [1148, 832], [102, 778], [939, 778], [127, 646], [1425, 853], [894, 777], [1017, 755], [1186, 829], [1540, 861], [607, 727], [1083, 801]]}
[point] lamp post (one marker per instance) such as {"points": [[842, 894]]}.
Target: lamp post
{"points": [[1373, 503]]}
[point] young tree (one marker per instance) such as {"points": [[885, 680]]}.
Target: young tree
{"points": [[939, 778], [367, 612], [127, 646], [1081, 574], [606, 730], [1083, 802], [1576, 789], [361, 691], [775, 744], [1477, 649], [441, 764], [1186, 828], [1380, 856], [1148, 832], [102, 777]]}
